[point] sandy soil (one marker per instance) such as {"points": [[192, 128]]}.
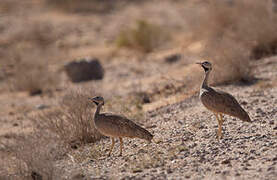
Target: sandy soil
{"points": [[186, 141], [185, 132]]}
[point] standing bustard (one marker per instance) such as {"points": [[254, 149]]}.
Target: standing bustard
{"points": [[219, 102], [116, 126]]}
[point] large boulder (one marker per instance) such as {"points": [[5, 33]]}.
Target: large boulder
{"points": [[84, 70]]}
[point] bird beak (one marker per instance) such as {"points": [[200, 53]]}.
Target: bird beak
{"points": [[92, 99], [199, 63]]}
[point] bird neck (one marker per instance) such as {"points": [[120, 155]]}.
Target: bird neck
{"points": [[97, 112], [206, 78]]}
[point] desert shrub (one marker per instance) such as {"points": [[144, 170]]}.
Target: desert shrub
{"points": [[144, 37], [35, 155], [82, 6], [26, 53], [230, 31], [34, 77], [73, 121]]}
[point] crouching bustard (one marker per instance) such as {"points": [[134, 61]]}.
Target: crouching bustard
{"points": [[116, 126], [219, 102]]}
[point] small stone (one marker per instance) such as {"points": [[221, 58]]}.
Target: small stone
{"points": [[169, 171], [78, 176], [41, 106], [244, 103], [11, 113], [227, 161], [142, 151], [137, 170]]}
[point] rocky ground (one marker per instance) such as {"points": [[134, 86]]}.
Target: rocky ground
{"points": [[186, 144]]}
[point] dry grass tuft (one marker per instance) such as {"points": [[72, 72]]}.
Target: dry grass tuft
{"points": [[82, 6], [144, 37], [35, 156], [73, 121], [25, 55], [230, 33], [34, 77]]}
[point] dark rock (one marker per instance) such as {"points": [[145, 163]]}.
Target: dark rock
{"points": [[36, 176], [169, 171], [244, 103], [78, 176], [271, 122], [137, 170], [173, 58], [226, 161], [84, 70], [34, 92]]}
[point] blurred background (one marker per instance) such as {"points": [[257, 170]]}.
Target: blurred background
{"points": [[139, 46], [140, 55]]}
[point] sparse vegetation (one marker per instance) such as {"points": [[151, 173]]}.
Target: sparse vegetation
{"points": [[82, 6], [33, 77], [144, 37], [52, 136], [35, 155], [231, 34], [73, 121], [26, 53]]}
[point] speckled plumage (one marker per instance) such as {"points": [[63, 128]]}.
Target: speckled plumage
{"points": [[219, 102], [119, 126], [116, 126]]}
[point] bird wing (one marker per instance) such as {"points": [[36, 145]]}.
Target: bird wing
{"points": [[119, 125], [222, 102]]}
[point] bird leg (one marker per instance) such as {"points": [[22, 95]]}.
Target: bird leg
{"points": [[111, 146], [121, 146], [221, 117], [220, 122], [219, 132]]}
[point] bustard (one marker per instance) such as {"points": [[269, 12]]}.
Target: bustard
{"points": [[116, 126], [219, 102]]}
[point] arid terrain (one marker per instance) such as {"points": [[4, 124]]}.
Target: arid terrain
{"points": [[148, 51]]}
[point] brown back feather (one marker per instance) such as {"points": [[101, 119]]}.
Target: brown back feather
{"points": [[222, 102], [120, 126]]}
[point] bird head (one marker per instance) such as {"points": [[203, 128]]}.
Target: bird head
{"points": [[207, 66], [97, 100]]}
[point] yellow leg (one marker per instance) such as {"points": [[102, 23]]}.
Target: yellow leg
{"points": [[220, 122], [111, 146], [219, 132], [121, 146], [221, 117]]}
